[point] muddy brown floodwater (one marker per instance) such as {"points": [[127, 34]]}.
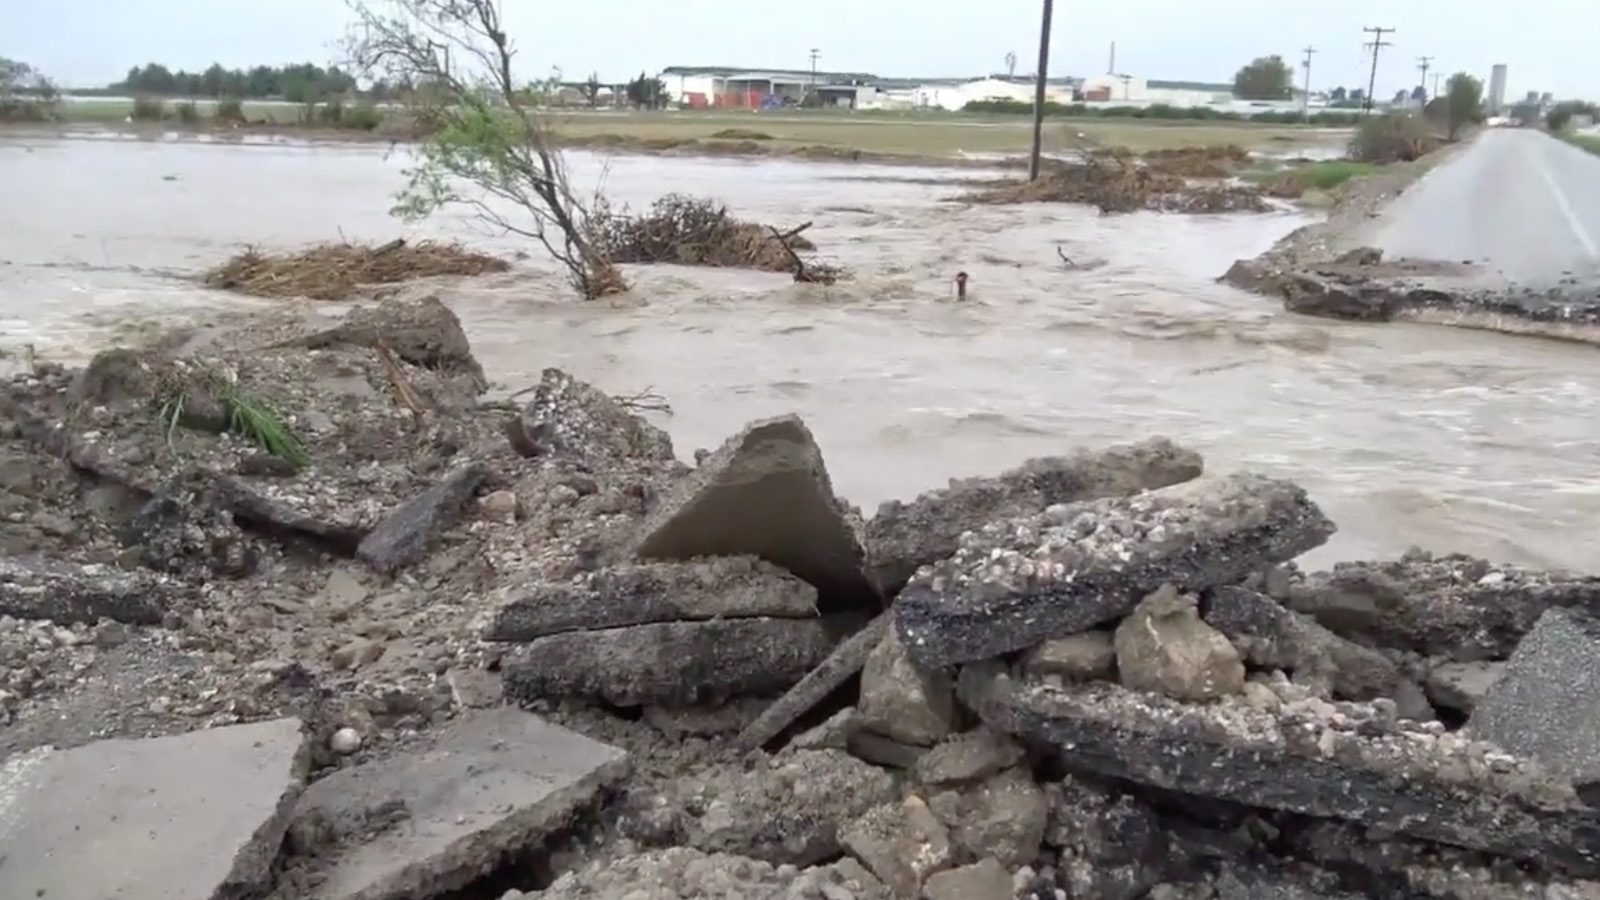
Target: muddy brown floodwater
{"points": [[1406, 434]]}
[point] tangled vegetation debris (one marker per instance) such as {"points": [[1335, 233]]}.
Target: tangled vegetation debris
{"points": [[1120, 183], [695, 231], [1221, 161], [338, 271]]}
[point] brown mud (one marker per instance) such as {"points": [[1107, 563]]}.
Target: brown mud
{"points": [[454, 636]]}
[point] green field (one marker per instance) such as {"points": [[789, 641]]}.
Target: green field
{"points": [[922, 134]]}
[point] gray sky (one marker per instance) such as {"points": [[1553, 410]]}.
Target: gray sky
{"points": [[1548, 45]]}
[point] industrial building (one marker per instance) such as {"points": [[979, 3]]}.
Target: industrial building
{"points": [[1497, 89], [723, 87]]}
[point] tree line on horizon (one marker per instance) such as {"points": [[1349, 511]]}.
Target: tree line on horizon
{"points": [[294, 83]]}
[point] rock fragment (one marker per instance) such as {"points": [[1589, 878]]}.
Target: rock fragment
{"points": [[571, 419], [1273, 637], [968, 757], [1019, 583], [1085, 656], [673, 663], [38, 588], [903, 701], [903, 537], [1547, 705], [1164, 646], [424, 332], [404, 536], [645, 593], [1456, 607], [1460, 686], [1385, 775], [983, 880], [844, 662], [1003, 817], [438, 816], [901, 843], [787, 809], [206, 811], [765, 493]]}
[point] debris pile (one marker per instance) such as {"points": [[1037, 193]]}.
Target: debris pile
{"points": [[1118, 183], [1212, 161], [459, 647], [338, 272], [694, 231]]}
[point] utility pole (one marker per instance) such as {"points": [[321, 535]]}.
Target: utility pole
{"points": [[1436, 84], [1038, 90], [1305, 95], [1376, 45], [814, 54], [1423, 64]]}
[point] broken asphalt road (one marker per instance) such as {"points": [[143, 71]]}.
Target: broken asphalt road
{"points": [[1501, 235], [1517, 203]]}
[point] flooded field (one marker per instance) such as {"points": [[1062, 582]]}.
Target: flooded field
{"points": [[1407, 434]]}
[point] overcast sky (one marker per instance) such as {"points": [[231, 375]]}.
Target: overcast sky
{"points": [[1548, 45]]}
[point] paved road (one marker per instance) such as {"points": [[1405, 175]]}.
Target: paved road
{"points": [[1520, 203]]}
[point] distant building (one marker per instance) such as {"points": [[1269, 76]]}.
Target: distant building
{"points": [[1497, 88], [1127, 90], [722, 87]]}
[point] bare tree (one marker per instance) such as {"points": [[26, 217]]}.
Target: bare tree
{"points": [[482, 143]]}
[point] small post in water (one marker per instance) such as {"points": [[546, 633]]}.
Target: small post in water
{"points": [[961, 286], [1038, 92]]}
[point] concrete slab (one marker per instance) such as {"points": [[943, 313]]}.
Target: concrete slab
{"points": [[1547, 705], [197, 816], [433, 819]]}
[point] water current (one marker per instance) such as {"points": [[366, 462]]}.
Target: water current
{"points": [[1407, 434]]}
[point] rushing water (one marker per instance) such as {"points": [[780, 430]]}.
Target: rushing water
{"points": [[1406, 434]]}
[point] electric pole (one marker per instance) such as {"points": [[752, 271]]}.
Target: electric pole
{"points": [[1423, 64], [1305, 95], [1038, 90], [1376, 45], [814, 54]]}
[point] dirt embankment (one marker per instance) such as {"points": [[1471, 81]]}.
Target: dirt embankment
{"points": [[1188, 180], [432, 636], [1321, 270]]}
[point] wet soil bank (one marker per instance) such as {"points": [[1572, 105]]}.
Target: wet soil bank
{"points": [[321, 620], [1323, 270]]}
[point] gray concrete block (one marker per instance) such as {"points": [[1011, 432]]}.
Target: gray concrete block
{"points": [[432, 819], [197, 816], [1547, 704]]}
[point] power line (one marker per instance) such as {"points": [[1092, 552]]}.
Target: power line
{"points": [[1376, 45], [1305, 95], [1423, 64]]}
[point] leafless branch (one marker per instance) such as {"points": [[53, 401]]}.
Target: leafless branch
{"points": [[478, 126]]}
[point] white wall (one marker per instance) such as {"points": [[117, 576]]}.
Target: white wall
{"points": [[954, 97], [679, 85]]}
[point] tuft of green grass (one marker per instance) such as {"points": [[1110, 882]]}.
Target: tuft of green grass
{"points": [[1331, 173], [251, 419], [248, 418], [1586, 142]]}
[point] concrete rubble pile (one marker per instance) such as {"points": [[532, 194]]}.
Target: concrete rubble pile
{"points": [[417, 643]]}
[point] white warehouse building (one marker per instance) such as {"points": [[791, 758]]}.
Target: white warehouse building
{"points": [[1128, 90]]}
